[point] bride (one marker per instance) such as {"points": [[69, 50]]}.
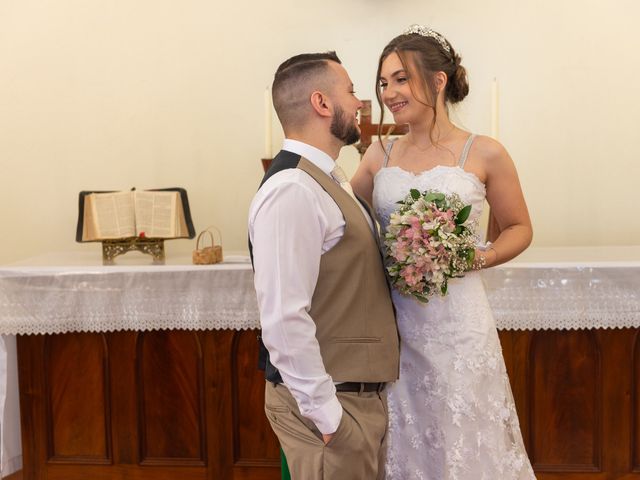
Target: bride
{"points": [[452, 414]]}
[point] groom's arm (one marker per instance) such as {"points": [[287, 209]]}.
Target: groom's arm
{"points": [[289, 230]]}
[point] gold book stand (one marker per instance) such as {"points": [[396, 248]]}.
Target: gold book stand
{"points": [[151, 246]]}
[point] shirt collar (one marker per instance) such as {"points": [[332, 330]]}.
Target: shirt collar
{"points": [[316, 156]]}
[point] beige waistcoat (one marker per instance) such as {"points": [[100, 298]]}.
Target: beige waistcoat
{"points": [[351, 305]]}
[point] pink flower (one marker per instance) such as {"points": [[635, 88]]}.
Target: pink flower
{"points": [[400, 250], [410, 275]]}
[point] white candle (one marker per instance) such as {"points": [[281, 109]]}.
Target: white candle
{"points": [[494, 109], [267, 124]]}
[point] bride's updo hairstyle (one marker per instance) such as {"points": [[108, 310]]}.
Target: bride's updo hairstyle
{"points": [[423, 52]]}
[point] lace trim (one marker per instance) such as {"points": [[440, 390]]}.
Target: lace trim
{"points": [[564, 298], [521, 299]]}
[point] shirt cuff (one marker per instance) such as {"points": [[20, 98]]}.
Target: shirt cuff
{"points": [[327, 417]]}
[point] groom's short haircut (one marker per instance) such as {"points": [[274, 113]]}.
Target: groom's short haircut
{"points": [[295, 80]]}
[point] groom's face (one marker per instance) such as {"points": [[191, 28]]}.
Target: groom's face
{"points": [[344, 124]]}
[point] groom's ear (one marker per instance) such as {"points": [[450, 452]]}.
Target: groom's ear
{"points": [[321, 104]]}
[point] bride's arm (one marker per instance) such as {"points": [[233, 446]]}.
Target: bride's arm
{"points": [[362, 181], [507, 203]]}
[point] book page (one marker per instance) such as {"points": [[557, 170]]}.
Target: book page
{"points": [[182, 230], [89, 225], [112, 215], [156, 213]]}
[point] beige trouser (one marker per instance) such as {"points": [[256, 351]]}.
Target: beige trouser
{"points": [[356, 452]]}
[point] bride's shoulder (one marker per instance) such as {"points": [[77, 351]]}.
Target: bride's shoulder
{"points": [[492, 155], [488, 149]]}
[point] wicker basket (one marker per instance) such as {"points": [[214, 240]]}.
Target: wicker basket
{"points": [[208, 255]]}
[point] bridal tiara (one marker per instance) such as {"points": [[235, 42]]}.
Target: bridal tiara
{"points": [[427, 32]]}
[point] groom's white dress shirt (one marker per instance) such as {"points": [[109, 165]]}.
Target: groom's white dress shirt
{"points": [[292, 222]]}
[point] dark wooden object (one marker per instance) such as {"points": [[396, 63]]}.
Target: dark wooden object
{"points": [[189, 405], [144, 405], [369, 130], [578, 400], [14, 476]]}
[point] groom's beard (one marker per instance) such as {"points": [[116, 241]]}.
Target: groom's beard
{"points": [[343, 130]]}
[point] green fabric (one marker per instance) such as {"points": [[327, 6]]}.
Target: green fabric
{"points": [[285, 468]]}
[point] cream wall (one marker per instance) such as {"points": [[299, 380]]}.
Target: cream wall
{"points": [[114, 94]]}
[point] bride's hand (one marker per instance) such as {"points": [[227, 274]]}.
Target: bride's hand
{"points": [[484, 258]]}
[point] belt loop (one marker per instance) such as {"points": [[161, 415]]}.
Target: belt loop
{"points": [[361, 388], [380, 387]]}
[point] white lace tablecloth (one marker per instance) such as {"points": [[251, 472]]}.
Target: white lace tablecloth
{"points": [[79, 298], [102, 299]]}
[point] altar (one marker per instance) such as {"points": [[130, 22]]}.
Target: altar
{"points": [[144, 372]]}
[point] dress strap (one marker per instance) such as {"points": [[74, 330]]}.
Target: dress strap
{"points": [[387, 152], [465, 150]]}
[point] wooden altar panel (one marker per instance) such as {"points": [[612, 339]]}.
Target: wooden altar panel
{"points": [[253, 440], [178, 405], [558, 401], [77, 369], [171, 398], [565, 406], [636, 404], [577, 395]]}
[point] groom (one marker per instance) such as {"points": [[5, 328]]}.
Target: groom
{"points": [[326, 316]]}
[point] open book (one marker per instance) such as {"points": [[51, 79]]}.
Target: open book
{"points": [[137, 213]]}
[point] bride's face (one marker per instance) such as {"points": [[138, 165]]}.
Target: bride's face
{"points": [[396, 91]]}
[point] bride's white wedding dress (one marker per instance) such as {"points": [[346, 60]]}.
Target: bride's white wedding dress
{"points": [[452, 415]]}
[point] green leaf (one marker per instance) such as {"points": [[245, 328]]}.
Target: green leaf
{"points": [[415, 194], [463, 215], [443, 289], [471, 256], [434, 197]]}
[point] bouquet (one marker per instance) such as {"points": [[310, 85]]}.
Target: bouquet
{"points": [[427, 243]]}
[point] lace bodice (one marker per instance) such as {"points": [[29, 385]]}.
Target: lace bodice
{"points": [[392, 184]]}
